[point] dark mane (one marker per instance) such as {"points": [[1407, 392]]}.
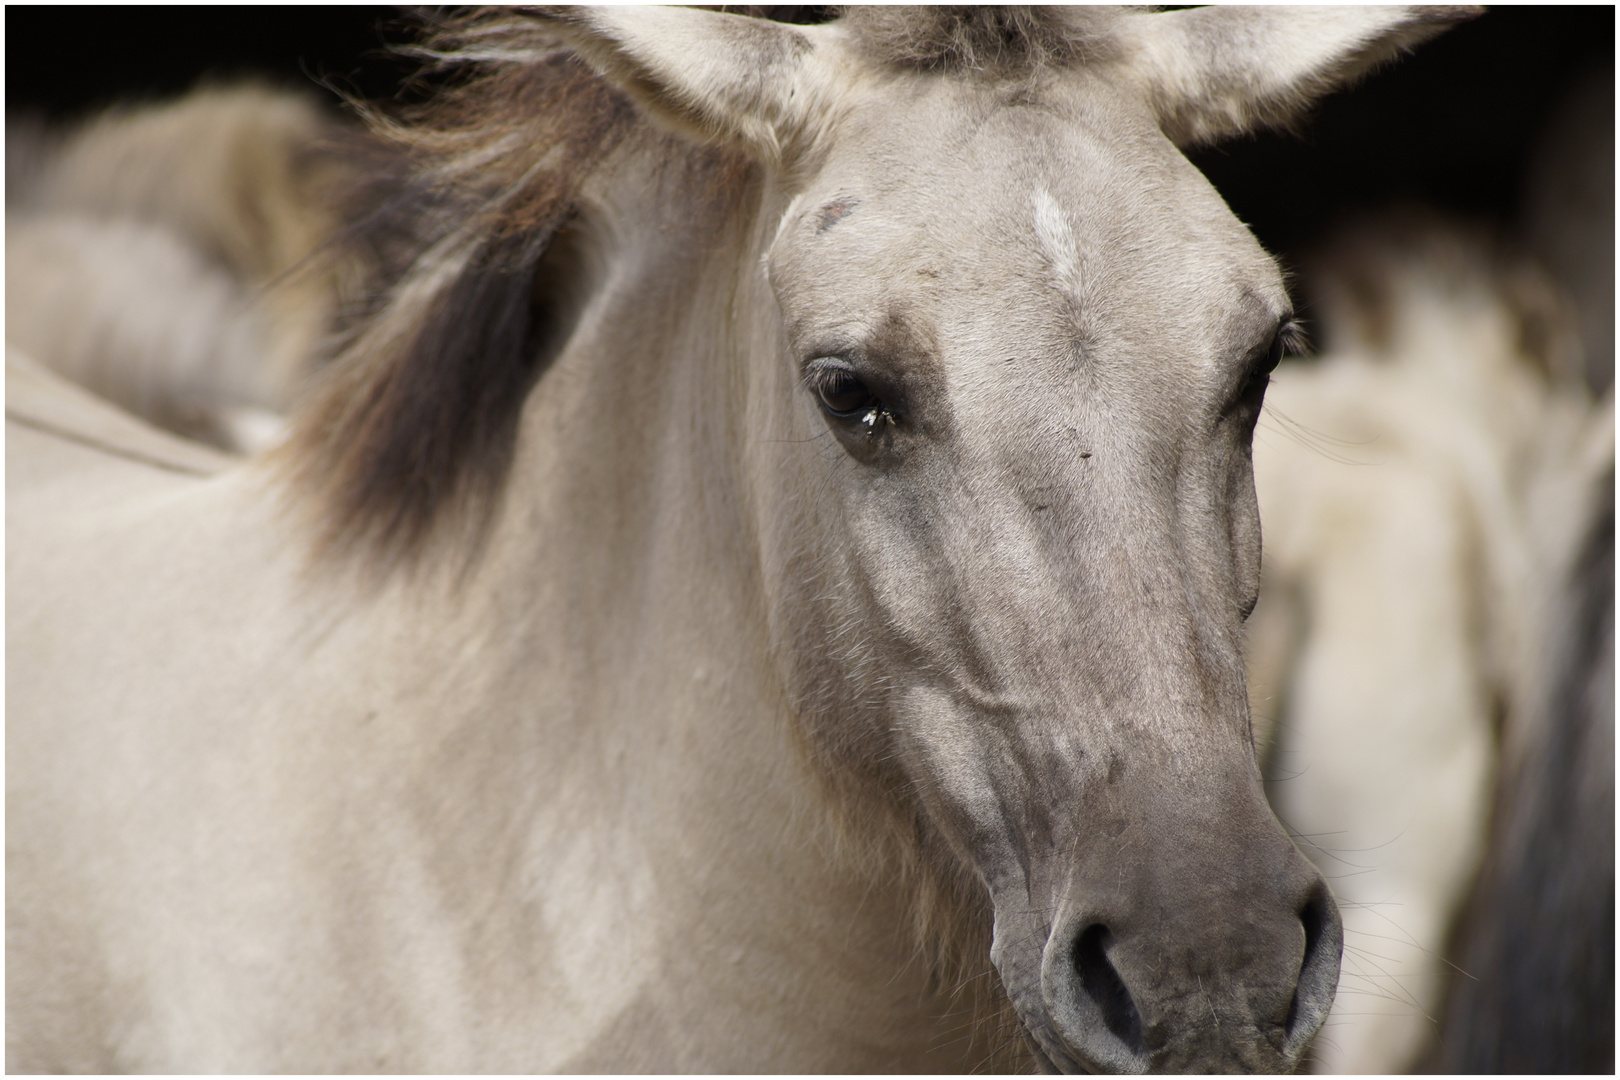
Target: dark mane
{"points": [[415, 420]]}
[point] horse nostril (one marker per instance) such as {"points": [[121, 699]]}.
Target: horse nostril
{"points": [[1319, 968], [1099, 979]]}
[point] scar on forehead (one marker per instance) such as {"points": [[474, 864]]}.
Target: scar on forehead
{"points": [[834, 212]]}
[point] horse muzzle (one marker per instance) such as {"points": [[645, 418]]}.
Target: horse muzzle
{"points": [[1232, 971]]}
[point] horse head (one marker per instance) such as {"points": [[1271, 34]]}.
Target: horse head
{"points": [[1018, 350]]}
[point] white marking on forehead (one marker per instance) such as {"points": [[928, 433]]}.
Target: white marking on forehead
{"points": [[1057, 240]]}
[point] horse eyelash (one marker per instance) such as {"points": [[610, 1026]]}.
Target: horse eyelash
{"points": [[820, 373], [1295, 341], [818, 377]]}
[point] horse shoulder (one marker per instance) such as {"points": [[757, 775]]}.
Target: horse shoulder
{"points": [[72, 423]]}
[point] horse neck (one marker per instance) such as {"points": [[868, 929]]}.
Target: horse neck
{"points": [[621, 593], [624, 526]]}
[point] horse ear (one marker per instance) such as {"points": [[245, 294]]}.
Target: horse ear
{"points": [[1214, 72], [733, 78]]}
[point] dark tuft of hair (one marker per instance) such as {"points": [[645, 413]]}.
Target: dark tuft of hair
{"points": [[1296, 340], [415, 421], [1003, 41]]}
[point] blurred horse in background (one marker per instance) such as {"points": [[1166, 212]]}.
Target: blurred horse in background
{"points": [[164, 255], [1423, 486], [1534, 1001]]}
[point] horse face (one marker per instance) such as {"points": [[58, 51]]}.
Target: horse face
{"points": [[1003, 495], [1031, 345]]}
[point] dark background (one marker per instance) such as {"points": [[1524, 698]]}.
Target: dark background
{"points": [[1451, 126]]}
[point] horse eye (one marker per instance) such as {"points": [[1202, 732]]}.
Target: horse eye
{"points": [[843, 394], [1259, 377], [1274, 357]]}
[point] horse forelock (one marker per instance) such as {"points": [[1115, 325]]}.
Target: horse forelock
{"points": [[1010, 40]]}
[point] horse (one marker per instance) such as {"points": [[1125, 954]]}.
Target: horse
{"points": [[1550, 861], [178, 258], [762, 588], [1537, 933], [1422, 483]]}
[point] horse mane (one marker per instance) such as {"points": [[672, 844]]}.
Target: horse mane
{"points": [[415, 420], [413, 425]]}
